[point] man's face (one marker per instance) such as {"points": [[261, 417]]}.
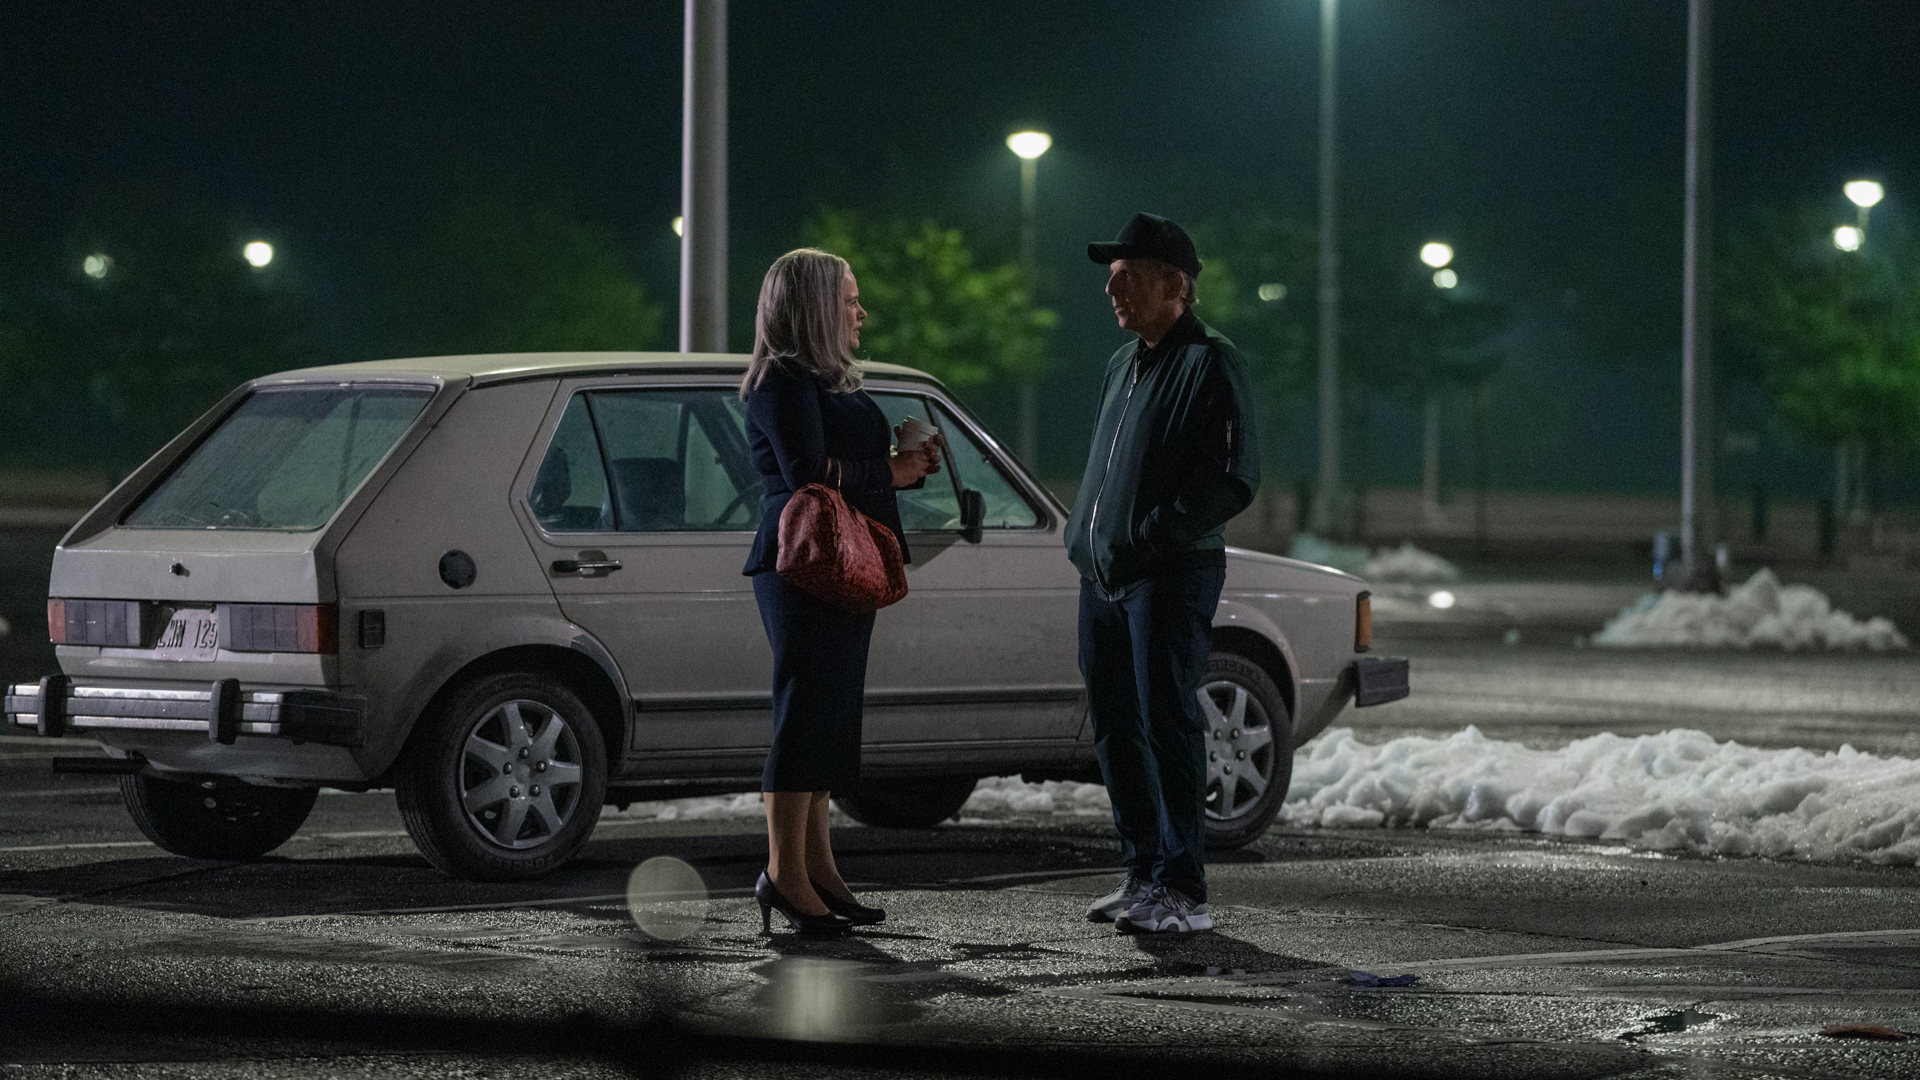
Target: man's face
{"points": [[1146, 296]]}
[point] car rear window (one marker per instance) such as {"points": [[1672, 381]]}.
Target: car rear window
{"points": [[286, 458]]}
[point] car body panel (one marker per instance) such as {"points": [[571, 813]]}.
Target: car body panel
{"points": [[976, 671]]}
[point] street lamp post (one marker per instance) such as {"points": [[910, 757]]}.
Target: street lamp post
{"points": [[1439, 256], [1698, 520], [1028, 146], [1326, 515], [703, 180], [1849, 461]]}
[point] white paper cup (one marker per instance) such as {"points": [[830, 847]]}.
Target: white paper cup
{"points": [[914, 434]]}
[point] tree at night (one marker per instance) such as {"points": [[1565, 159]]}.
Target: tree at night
{"points": [[931, 307], [1832, 335], [502, 274]]}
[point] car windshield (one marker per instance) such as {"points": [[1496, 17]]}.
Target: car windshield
{"points": [[286, 458]]}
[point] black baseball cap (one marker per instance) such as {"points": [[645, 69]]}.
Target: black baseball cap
{"points": [[1150, 236]]}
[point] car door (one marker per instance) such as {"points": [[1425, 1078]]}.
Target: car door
{"points": [[642, 503], [980, 660]]}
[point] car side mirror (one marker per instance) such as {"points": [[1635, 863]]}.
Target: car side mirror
{"points": [[973, 515]]}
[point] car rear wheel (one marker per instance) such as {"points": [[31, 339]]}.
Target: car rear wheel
{"points": [[1249, 749], [917, 803], [505, 782], [215, 819]]}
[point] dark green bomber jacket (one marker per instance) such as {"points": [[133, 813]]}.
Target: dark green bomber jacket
{"points": [[1173, 458]]}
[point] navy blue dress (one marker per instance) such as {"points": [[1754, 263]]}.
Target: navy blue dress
{"points": [[800, 432]]}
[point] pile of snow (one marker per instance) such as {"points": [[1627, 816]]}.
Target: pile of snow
{"points": [[1410, 564], [1678, 790], [1010, 794], [1762, 612]]}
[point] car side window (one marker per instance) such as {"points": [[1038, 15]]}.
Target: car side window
{"points": [[968, 465], [974, 467], [674, 460], [569, 493]]}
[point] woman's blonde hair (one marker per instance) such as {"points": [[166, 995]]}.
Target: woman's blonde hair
{"points": [[802, 322]]}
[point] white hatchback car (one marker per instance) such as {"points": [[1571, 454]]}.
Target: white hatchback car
{"points": [[509, 587]]}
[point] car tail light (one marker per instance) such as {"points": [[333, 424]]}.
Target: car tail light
{"points": [[94, 622], [304, 628], [1363, 622]]}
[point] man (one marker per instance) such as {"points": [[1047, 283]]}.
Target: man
{"points": [[1173, 458]]}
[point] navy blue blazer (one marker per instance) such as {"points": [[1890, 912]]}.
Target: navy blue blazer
{"points": [[796, 427]]}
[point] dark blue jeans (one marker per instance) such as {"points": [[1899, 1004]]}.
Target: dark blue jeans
{"points": [[1142, 656]]}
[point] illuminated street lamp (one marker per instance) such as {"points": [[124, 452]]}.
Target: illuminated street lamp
{"points": [[1865, 194], [1848, 238], [1028, 146], [679, 225], [258, 253], [1436, 254], [96, 265]]}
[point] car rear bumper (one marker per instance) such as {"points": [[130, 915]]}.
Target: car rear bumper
{"points": [[223, 710], [1378, 680]]}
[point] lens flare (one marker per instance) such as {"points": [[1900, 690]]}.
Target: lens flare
{"points": [[1848, 238], [1440, 599], [666, 898]]}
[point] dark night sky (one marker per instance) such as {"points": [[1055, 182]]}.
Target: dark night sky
{"points": [[1542, 137]]}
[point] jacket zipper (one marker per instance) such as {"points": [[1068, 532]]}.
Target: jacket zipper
{"points": [[1093, 517]]}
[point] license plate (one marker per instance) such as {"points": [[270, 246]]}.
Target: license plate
{"points": [[189, 635]]}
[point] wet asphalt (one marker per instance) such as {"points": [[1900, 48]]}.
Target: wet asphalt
{"points": [[345, 954]]}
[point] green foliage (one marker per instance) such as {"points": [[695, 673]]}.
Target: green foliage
{"points": [[929, 307], [1833, 336], [501, 275], [1277, 335]]}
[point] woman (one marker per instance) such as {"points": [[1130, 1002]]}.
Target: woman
{"points": [[809, 422]]}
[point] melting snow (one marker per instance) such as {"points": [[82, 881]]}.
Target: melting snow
{"points": [[1678, 790], [1760, 613]]}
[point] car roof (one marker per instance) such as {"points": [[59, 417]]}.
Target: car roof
{"points": [[485, 369]]}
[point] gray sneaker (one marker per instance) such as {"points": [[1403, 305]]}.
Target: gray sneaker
{"points": [[1129, 895], [1164, 911]]}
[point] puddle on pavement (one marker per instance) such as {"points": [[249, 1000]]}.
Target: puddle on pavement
{"points": [[1670, 1022]]}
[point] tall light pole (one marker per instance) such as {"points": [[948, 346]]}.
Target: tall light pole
{"points": [[1849, 460], [1439, 256], [1028, 146], [703, 180], [1326, 502], [1698, 520]]}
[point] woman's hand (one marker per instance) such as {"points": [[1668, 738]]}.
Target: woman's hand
{"points": [[912, 466]]}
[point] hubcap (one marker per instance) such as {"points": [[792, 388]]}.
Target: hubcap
{"points": [[1240, 735], [509, 746]]}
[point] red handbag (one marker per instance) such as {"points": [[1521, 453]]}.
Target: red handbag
{"points": [[839, 555]]}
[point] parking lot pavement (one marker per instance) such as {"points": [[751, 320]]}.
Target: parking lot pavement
{"points": [[345, 954]]}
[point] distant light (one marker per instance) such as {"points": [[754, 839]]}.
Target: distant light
{"points": [[1441, 600], [1446, 278], [679, 226], [1272, 291], [96, 266], [1848, 238], [1029, 144], [1436, 254], [1864, 193], [259, 253]]}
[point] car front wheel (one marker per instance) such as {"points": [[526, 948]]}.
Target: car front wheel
{"points": [[215, 819], [505, 782], [1249, 749]]}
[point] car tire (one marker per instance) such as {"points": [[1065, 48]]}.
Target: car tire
{"points": [[1249, 735], [918, 803], [215, 819], [505, 780]]}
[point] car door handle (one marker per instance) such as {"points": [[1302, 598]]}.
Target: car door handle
{"points": [[586, 567]]}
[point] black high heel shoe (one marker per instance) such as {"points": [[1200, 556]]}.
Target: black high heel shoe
{"points": [[853, 911], [768, 894]]}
